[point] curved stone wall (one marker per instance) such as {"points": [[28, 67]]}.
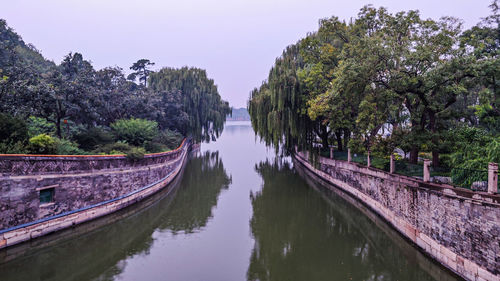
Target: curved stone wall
{"points": [[79, 188], [457, 227]]}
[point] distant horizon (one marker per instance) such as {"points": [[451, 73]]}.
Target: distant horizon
{"points": [[236, 43]]}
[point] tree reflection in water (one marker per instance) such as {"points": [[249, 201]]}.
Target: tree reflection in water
{"points": [[192, 207], [101, 252], [301, 236]]}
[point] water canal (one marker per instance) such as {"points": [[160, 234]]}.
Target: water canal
{"points": [[237, 213]]}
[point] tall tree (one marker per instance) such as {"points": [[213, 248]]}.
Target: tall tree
{"points": [[200, 100], [141, 70], [70, 93]]}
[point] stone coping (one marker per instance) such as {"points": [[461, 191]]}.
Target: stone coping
{"points": [[83, 157]]}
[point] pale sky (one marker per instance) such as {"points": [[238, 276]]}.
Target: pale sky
{"points": [[236, 41]]}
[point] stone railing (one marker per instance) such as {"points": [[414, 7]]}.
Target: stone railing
{"points": [[457, 227], [42, 194], [491, 186]]}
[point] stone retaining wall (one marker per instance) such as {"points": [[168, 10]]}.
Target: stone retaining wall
{"points": [[83, 188], [457, 227]]}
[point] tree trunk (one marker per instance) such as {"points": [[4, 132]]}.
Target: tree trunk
{"points": [[435, 158], [324, 139], [58, 118], [347, 137], [338, 135], [414, 154], [58, 127]]}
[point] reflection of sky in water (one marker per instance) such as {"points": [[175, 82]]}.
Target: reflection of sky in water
{"points": [[237, 214], [221, 250]]}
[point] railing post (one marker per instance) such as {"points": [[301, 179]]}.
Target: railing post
{"points": [[392, 168], [368, 162], [427, 173], [492, 177], [331, 152], [349, 158]]}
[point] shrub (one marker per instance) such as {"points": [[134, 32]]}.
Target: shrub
{"points": [[474, 149], [136, 153], [37, 126], [154, 147], [12, 130], [114, 152], [477, 156], [169, 138], [135, 131], [92, 138], [13, 147], [42, 144], [66, 147], [114, 148]]}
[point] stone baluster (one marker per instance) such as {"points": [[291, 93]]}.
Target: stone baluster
{"points": [[427, 173], [331, 152], [492, 177], [349, 158], [368, 161]]}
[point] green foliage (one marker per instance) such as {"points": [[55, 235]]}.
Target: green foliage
{"points": [[141, 70], [12, 129], [136, 153], [154, 147], [135, 131], [487, 110], [201, 103], [474, 148], [13, 135], [132, 152], [278, 107], [37, 126], [113, 148], [13, 148], [42, 144], [169, 138], [91, 138], [66, 147], [69, 99], [383, 81], [383, 147]]}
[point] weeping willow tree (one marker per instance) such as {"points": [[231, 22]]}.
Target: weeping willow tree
{"points": [[279, 108], [200, 100]]}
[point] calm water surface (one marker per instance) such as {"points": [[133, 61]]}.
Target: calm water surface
{"points": [[237, 213]]}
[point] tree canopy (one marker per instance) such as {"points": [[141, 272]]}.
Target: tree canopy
{"points": [[397, 78], [205, 110], [75, 102]]}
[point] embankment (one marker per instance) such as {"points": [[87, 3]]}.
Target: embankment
{"points": [[456, 227], [43, 194]]}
